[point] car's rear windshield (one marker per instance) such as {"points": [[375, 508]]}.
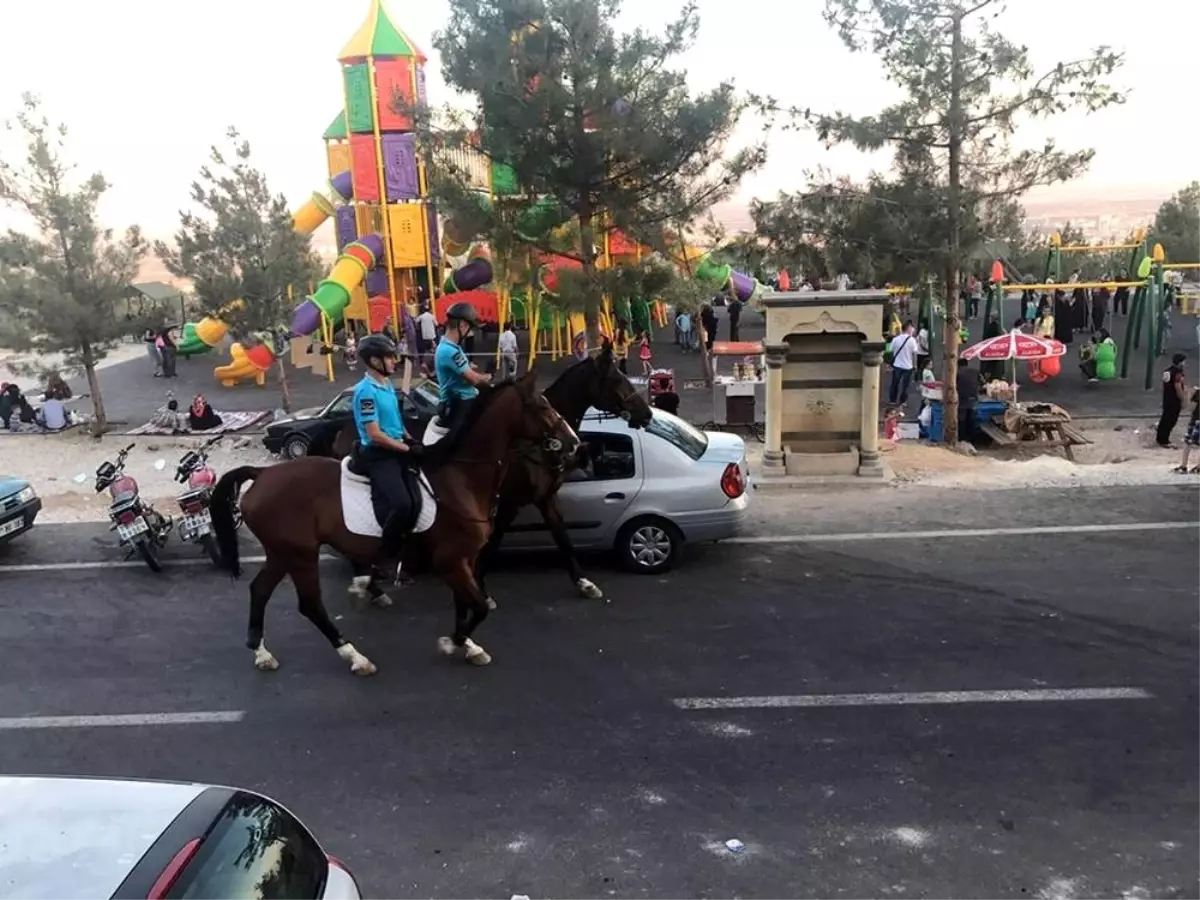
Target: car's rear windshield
{"points": [[255, 850], [672, 429]]}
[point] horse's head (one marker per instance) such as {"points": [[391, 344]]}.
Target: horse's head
{"points": [[608, 390], [539, 422]]}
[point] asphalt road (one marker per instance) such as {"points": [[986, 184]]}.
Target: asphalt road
{"points": [[567, 769]]}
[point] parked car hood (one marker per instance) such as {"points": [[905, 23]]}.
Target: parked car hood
{"points": [[723, 448], [10, 484]]}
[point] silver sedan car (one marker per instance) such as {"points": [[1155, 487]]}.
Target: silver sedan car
{"points": [[645, 492], [65, 838]]}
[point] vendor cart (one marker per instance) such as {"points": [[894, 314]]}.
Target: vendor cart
{"points": [[739, 391]]}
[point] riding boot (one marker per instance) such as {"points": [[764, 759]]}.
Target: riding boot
{"points": [[394, 530]]}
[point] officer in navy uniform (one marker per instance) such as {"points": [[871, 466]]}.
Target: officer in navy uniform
{"points": [[457, 380], [383, 446]]}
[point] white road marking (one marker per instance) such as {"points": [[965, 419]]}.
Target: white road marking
{"points": [[900, 535], [902, 698], [86, 565], [18, 723]]}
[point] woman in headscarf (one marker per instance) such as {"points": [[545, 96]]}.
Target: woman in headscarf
{"points": [[1064, 327], [201, 415]]}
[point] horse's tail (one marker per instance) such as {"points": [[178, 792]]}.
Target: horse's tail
{"points": [[224, 496]]}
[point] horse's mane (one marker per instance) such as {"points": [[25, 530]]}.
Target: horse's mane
{"points": [[566, 373], [443, 451]]}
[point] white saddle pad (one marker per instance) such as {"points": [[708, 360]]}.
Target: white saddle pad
{"points": [[359, 514], [434, 432]]}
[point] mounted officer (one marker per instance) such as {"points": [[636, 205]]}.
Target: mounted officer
{"points": [[383, 450], [457, 380]]}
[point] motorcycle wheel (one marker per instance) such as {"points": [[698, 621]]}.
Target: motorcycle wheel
{"points": [[149, 554], [211, 548]]}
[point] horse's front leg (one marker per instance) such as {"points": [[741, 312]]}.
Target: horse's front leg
{"points": [[470, 609], [506, 512], [552, 515]]}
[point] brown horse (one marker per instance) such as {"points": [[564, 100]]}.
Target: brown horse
{"points": [[294, 508], [537, 473]]}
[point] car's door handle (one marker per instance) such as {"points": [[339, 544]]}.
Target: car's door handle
{"points": [[616, 495]]}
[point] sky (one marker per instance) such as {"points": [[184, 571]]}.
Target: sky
{"points": [[147, 86]]}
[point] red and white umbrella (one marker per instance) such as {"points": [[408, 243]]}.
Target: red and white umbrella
{"points": [[1014, 345]]}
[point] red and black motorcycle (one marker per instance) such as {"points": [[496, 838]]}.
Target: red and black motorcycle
{"points": [[200, 478], [141, 529]]}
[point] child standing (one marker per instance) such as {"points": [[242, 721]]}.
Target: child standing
{"points": [[1192, 439], [645, 354]]}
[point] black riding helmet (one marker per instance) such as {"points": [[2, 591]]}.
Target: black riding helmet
{"points": [[463, 312], [375, 346]]}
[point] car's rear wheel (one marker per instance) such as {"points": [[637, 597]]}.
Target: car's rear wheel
{"points": [[648, 545], [295, 446]]}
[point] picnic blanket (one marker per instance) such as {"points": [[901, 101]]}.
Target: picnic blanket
{"points": [[230, 421]]}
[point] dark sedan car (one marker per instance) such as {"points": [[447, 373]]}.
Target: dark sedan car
{"points": [[19, 506], [312, 432]]}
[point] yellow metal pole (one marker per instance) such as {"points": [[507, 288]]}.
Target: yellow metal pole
{"points": [[423, 188], [383, 204]]}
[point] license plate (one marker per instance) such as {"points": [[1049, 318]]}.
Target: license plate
{"points": [[12, 527], [128, 532], [201, 523]]}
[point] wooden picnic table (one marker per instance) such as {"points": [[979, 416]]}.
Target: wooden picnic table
{"points": [[1046, 429]]}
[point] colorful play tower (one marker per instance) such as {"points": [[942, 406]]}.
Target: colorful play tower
{"points": [[390, 218]]}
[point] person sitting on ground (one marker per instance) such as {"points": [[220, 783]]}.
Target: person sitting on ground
{"points": [[169, 418], [56, 388], [53, 414], [1192, 438], [10, 396], [1106, 356], [201, 415]]}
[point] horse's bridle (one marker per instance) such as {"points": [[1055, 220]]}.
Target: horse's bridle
{"points": [[549, 444]]}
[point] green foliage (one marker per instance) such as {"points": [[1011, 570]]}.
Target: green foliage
{"points": [[1177, 226], [240, 244], [63, 283], [597, 120]]}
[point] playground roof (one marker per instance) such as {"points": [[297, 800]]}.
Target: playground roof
{"points": [[378, 37], [337, 128]]}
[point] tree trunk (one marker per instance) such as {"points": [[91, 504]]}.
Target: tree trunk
{"points": [[587, 252], [99, 417], [954, 140], [285, 390]]}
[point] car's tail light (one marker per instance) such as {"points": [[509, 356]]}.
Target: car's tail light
{"points": [[733, 483], [166, 879]]}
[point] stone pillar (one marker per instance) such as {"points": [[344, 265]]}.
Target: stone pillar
{"points": [[773, 459], [869, 463]]}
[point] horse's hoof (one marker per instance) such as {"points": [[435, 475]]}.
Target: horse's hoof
{"points": [[383, 601], [476, 655], [360, 591], [589, 589], [491, 604], [446, 646], [264, 661], [363, 668]]}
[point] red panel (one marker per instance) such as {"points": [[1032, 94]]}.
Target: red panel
{"points": [[365, 168], [392, 77], [380, 311], [483, 301]]}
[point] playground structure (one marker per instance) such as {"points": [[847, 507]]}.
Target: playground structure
{"points": [[387, 233]]}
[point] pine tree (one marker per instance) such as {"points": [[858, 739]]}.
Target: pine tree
{"points": [[63, 284], [595, 119], [241, 245], [967, 88]]}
